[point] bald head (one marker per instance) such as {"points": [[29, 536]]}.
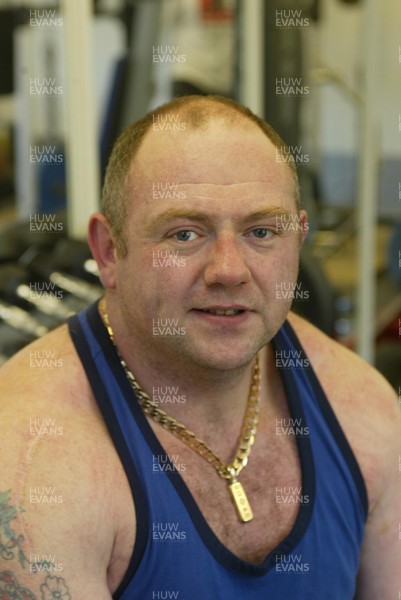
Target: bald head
{"points": [[182, 116]]}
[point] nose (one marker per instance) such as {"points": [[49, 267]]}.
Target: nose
{"points": [[226, 264]]}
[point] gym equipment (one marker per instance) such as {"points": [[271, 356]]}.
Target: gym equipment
{"points": [[45, 265], [284, 47], [17, 237], [75, 257], [44, 278], [50, 280], [17, 329], [22, 320], [15, 288], [317, 301]]}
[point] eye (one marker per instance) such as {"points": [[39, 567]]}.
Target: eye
{"points": [[262, 233], [185, 235]]}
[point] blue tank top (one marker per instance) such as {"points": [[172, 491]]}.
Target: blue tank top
{"points": [[176, 554]]}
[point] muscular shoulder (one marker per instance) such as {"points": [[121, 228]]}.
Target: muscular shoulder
{"points": [[41, 369], [47, 410], [45, 394], [46, 403], [363, 401], [343, 373]]}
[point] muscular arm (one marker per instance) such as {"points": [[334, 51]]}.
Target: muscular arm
{"points": [[55, 539], [25, 575], [368, 412], [57, 513], [380, 570]]}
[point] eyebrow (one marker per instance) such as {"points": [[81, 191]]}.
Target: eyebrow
{"points": [[274, 211], [194, 215]]}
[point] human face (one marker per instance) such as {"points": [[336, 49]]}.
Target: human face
{"points": [[205, 235]]}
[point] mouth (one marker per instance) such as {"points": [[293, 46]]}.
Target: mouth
{"points": [[233, 313], [225, 312]]}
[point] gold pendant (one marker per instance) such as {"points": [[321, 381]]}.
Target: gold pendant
{"points": [[241, 502]]}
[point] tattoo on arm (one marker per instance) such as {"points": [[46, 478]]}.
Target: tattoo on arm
{"points": [[10, 543], [53, 588], [11, 589]]}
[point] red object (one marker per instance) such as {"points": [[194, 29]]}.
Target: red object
{"points": [[215, 10]]}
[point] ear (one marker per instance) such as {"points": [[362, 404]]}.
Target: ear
{"points": [[304, 224], [103, 249]]}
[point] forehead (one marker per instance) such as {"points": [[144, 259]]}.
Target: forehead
{"points": [[222, 153]]}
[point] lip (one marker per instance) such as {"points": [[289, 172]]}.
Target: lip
{"points": [[224, 307], [236, 319]]}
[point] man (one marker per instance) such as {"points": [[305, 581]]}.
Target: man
{"points": [[288, 487]]}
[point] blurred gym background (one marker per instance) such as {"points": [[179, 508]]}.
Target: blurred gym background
{"points": [[325, 73]]}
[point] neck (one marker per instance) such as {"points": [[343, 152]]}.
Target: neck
{"points": [[199, 397]]}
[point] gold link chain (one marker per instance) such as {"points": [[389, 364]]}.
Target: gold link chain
{"points": [[150, 408]]}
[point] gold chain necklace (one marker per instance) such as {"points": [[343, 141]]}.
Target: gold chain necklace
{"points": [[247, 435]]}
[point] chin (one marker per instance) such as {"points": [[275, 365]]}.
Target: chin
{"points": [[225, 358]]}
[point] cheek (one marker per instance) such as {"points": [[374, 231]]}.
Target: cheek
{"points": [[153, 279], [286, 275], [277, 277], [171, 287], [282, 263]]}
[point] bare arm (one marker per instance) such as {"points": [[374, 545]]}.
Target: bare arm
{"points": [[49, 546], [24, 575], [57, 525], [380, 571], [369, 414]]}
